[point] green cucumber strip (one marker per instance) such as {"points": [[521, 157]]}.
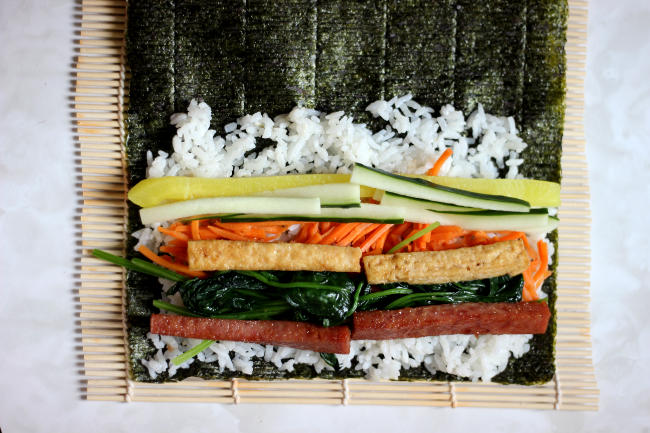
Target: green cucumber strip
{"points": [[420, 188], [251, 218], [483, 220], [201, 206], [180, 359], [330, 194], [553, 223], [392, 199], [210, 217], [413, 237], [366, 212]]}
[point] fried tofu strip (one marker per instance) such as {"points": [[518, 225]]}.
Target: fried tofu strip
{"points": [[437, 267], [220, 255]]}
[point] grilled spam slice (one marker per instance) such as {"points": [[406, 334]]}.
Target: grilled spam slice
{"points": [[220, 255], [437, 267]]}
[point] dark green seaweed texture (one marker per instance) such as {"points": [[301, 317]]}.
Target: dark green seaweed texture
{"points": [[544, 85], [350, 60], [420, 50], [280, 55], [150, 41], [263, 55], [490, 47], [213, 71]]}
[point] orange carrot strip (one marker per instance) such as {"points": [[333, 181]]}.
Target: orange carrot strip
{"points": [[447, 229], [207, 234], [340, 231], [177, 243], [416, 228], [509, 236], [179, 227], [381, 242], [361, 236], [531, 251], [246, 231], [303, 233], [178, 252], [313, 235], [438, 165], [175, 225], [174, 234], [443, 236], [399, 229], [347, 239], [374, 236], [324, 226], [542, 249], [183, 269], [227, 234], [194, 226]]}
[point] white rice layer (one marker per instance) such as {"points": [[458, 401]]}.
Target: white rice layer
{"points": [[309, 141], [467, 356]]}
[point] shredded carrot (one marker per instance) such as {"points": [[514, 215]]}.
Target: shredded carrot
{"points": [[409, 247], [374, 236], [339, 232], [177, 243], [509, 236], [302, 234], [174, 234], [165, 263], [314, 237], [438, 165], [361, 236], [194, 227], [178, 252], [324, 226], [349, 238], [543, 257], [226, 234]]}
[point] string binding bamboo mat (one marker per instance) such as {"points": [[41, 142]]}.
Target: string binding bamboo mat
{"points": [[100, 99]]}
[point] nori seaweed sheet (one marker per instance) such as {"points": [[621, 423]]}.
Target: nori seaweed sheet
{"points": [[150, 42], [150, 55], [542, 122], [280, 55], [213, 71], [350, 60], [490, 48], [269, 56], [420, 50]]}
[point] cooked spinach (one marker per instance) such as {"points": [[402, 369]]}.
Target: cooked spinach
{"points": [[327, 298], [401, 295]]}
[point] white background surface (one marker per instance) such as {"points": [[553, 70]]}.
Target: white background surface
{"points": [[39, 370]]}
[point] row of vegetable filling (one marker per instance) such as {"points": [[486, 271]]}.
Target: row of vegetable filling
{"points": [[313, 261]]}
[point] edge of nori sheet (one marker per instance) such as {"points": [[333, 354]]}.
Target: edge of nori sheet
{"points": [[542, 124], [148, 129]]}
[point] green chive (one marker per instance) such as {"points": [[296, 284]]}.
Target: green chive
{"points": [[180, 359], [173, 308], [413, 237]]}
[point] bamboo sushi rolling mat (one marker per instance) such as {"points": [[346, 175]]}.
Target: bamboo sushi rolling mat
{"points": [[100, 98]]}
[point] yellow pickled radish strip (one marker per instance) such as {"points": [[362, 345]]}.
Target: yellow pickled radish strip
{"points": [[157, 191], [162, 190], [538, 193]]}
